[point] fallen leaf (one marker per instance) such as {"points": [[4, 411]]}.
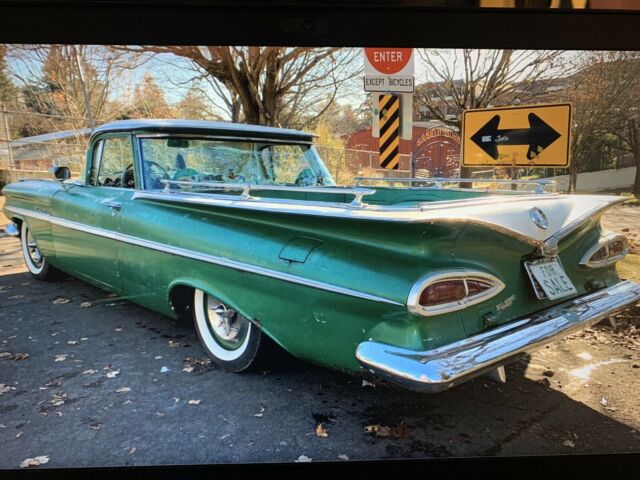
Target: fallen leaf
{"points": [[19, 434], [61, 357], [20, 356], [117, 329], [123, 390], [132, 451], [401, 431], [176, 399], [176, 343], [34, 462], [188, 369], [85, 304], [4, 388], [194, 402], [259, 415], [113, 373], [568, 443], [321, 431], [378, 430], [5, 354], [96, 425], [365, 383], [60, 301], [72, 342], [604, 402], [343, 457], [303, 458], [89, 372], [164, 370], [84, 338]]}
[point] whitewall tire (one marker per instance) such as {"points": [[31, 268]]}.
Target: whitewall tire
{"points": [[37, 264], [230, 340]]}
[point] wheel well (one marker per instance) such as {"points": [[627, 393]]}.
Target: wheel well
{"points": [[181, 299]]}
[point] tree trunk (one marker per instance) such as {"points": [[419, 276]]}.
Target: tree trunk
{"points": [[573, 176], [635, 142]]}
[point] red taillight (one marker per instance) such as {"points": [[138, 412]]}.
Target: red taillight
{"points": [[617, 247], [446, 291], [608, 251], [600, 255]]}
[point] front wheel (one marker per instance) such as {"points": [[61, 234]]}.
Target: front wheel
{"points": [[36, 262], [230, 339]]}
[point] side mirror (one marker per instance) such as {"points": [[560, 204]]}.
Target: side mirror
{"points": [[61, 173]]}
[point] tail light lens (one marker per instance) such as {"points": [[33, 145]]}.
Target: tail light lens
{"points": [[443, 292], [610, 249]]}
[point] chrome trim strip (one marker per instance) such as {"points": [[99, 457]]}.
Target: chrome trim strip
{"points": [[438, 181], [238, 138], [436, 370], [451, 274], [246, 188], [605, 241], [225, 262]]}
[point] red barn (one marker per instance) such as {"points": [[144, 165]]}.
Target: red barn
{"points": [[434, 151]]}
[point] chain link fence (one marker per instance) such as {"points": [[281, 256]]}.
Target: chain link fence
{"points": [[35, 142]]}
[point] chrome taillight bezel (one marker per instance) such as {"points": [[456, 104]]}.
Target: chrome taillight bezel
{"points": [[603, 242], [413, 301]]}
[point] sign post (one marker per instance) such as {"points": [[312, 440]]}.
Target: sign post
{"points": [[532, 136], [389, 76]]}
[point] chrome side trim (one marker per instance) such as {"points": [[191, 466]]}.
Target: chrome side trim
{"points": [[436, 370], [182, 252], [413, 303], [238, 138], [604, 241]]}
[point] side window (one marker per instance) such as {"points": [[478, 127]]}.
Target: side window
{"points": [[115, 168]]}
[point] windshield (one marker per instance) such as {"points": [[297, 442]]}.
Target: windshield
{"points": [[256, 162]]}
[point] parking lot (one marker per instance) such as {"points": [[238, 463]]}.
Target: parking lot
{"points": [[88, 380]]}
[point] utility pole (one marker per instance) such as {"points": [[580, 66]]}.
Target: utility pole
{"points": [[85, 94]]}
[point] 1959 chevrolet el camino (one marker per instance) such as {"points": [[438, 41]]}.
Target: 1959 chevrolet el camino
{"points": [[243, 228]]}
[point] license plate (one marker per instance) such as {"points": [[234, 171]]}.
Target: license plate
{"points": [[549, 279]]}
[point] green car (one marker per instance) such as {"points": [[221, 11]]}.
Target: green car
{"points": [[241, 227]]}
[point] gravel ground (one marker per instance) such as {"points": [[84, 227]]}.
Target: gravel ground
{"points": [[114, 384]]}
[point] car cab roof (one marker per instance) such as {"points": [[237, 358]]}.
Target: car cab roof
{"points": [[203, 127]]}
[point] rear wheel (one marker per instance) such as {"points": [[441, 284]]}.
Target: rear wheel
{"points": [[231, 340], [37, 264]]}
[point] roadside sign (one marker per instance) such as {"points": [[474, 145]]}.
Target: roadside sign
{"points": [[406, 115], [533, 136], [389, 118], [388, 70], [388, 61]]}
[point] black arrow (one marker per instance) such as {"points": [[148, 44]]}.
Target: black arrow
{"points": [[538, 136]]}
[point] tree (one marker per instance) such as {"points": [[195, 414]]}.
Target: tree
{"points": [[194, 105], [7, 88], [459, 80], [268, 85], [149, 100], [606, 102]]}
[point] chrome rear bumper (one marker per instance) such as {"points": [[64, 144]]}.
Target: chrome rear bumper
{"points": [[435, 370]]}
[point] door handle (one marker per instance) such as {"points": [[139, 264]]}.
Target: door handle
{"points": [[113, 205]]}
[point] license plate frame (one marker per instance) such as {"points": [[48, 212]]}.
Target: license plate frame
{"points": [[538, 288]]}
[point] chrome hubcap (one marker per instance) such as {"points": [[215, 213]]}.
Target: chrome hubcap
{"points": [[226, 324], [32, 249]]}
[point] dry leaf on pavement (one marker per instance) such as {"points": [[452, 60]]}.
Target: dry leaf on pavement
{"points": [[59, 301], [188, 369], [303, 458], [123, 390], [176, 343], [89, 372], [72, 342], [85, 304], [34, 462], [4, 388], [194, 402], [61, 357], [568, 443], [112, 373], [321, 431]]}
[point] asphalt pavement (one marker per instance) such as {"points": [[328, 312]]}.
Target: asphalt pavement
{"points": [[87, 380]]}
